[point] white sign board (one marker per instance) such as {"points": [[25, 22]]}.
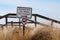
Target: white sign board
{"points": [[24, 12]]}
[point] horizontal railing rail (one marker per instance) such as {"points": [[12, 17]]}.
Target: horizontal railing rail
{"points": [[35, 15], [30, 21]]}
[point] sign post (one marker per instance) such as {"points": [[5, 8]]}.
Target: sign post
{"points": [[24, 21], [24, 13]]}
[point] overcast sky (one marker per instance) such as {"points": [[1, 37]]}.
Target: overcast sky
{"points": [[48, 8]]}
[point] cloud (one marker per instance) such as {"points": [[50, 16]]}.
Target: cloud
{"points": [[49, 9], [12, 2]]}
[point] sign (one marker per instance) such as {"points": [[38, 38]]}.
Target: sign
{"points": [[24, 21], [24, 12]]}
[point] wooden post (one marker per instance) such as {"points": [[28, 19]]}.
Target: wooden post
{"points": [[19, 23], [23, 29], [35, 21], [51, 23], [12, 23], [2, 27], [6, 21]]}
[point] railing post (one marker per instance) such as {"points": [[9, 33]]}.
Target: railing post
{"points": [[6, 21], [12, 23], [2, 27], [19, 23], [35, 21], [51, 23]]}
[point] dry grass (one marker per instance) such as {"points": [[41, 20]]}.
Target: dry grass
{"points": [[14, 33], [42, 34], [46, 33]]}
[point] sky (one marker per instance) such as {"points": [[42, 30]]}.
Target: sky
{"points": [[48, 8]]}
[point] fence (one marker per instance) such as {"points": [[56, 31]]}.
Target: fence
{"points": [[31, 21], [13, 15]]}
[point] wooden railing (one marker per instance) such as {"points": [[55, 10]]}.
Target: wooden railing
{"points": [[31, 21]]}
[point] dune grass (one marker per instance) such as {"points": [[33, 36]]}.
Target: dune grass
{"points": [[46, 33]]}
